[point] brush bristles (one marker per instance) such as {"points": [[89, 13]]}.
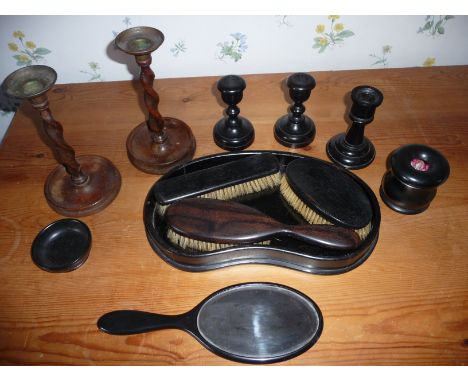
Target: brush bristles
{"points": [[242, 189], [160, 209], [202, 246], [363, 232], [308, 213], [233, 192]]}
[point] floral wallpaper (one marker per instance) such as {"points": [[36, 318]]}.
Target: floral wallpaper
{"points": [[234, 48], [229, 44], [434, 26], [27, 52], [383, 59], [179, 47], [334, 36]]}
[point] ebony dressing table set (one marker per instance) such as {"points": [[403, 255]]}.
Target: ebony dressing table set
{"points": [[266, 207]]}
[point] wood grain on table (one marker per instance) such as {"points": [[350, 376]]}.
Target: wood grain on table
{"points": [[407, 304]]}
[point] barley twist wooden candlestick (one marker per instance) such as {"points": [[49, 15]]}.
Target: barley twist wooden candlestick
{"points": [[233, 132], [80, 185], [159, 143], [296, 129], [353, 150]]}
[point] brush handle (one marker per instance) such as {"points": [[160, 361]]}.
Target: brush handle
{"points": [[228, 222], [323, 235], [124, 322]]}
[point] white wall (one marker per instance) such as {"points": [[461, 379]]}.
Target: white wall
{"points": [[80, 48]]}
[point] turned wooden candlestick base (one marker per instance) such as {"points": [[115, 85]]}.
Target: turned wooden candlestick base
{"points": [[157, 158], [92, 194]]}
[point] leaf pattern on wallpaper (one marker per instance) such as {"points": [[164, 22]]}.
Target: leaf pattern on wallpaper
{"points": [[383, 58], [127, 22], [283, 21], [27, 52], [430, 61], [94, 74], [334, 36], [433, 27], [233, 49], [179, 47]]}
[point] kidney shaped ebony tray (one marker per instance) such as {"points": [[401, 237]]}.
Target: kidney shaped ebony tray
{"points": [[282, 251]]}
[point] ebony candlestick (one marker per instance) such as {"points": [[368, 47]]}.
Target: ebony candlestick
{"points": [[296, 129], [233, 132], [80, 185], [160, 143], [411, 182], [353, 150]]}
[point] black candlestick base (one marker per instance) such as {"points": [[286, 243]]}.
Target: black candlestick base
{"points": [[237, 138], [294, 135], [350, 156]]}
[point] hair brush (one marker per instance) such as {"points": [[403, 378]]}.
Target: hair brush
{"points": [[324, 194], [210, 224], [252, 174]]}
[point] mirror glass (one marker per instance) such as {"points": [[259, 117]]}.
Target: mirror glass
{"points": [[259, 321]]}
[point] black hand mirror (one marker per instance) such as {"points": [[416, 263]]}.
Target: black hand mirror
{"points": [[251, 322]]}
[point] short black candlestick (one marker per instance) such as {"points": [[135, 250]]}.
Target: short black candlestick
{"points": [[296, 129], [353, 150], [233, 132]]}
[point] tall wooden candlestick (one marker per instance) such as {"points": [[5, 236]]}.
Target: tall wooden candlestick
{"points": [[80, 185], [159, 143]]}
